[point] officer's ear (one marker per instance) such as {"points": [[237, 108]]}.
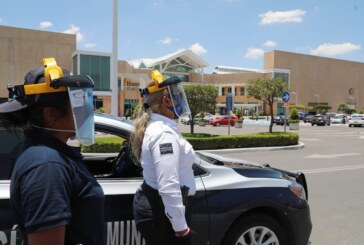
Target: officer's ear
{"points": [[50, 115]]}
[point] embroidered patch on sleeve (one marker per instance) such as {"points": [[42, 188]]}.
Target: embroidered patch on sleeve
{"points": [[166, 148]]}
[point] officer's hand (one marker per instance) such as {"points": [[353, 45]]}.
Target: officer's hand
{"points": [[184, 237]]}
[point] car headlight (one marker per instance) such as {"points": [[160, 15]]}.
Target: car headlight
{"points": [[298, 190]]}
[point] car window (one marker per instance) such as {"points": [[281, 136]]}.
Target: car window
{"points": [[357, 117]]}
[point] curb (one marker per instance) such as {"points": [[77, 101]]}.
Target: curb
{"points": [[300, 145]]}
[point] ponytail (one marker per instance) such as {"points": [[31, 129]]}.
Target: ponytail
{"points": [[140, 124]]}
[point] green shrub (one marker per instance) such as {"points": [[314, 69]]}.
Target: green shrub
{"points": [[294, 117], [203, 141], [243, 141]]}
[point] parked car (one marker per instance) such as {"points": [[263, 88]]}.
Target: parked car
{"points": [[224, 121], [187, 119], [237, 202], [356, 120], [302, 115], [320, 120], [279, 120], [338, 118], [308, 118]]}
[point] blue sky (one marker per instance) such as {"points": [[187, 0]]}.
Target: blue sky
{"points": [[222, 32]]}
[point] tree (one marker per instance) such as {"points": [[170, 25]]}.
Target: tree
{"points": [[201, 98], [267, 90], [343, 107]]}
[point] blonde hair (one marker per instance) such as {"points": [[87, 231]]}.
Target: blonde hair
{"points": [[140, 123]]}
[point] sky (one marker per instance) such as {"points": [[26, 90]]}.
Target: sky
{"points": [[233, 33]]}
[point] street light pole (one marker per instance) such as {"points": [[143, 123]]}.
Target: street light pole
{"points": [[114, 61]]}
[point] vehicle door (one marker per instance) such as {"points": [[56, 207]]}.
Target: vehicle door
{"points": [[120, 184], [10, 145]]}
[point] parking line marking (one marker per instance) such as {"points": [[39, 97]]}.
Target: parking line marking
{"points": [[333, 169], [332, 155]]}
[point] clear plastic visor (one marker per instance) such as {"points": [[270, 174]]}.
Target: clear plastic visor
{"points": [[180, 103], [83, 114]]}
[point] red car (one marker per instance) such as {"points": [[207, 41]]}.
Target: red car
{"points": [[224, 121]]}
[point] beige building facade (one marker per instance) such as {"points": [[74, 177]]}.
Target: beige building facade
{"points": [[22, 50], [318, 80], [312, 80]]}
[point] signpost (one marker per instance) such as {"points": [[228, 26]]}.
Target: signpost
{"points": [[285, 98], [229, 106]]}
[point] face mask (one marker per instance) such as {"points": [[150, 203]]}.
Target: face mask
{"points": [[176, 108]]}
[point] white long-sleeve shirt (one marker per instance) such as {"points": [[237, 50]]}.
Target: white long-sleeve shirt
{"points": [[167, 160]]}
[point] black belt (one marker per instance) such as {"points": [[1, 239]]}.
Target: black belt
{"points": [[154, 194]]}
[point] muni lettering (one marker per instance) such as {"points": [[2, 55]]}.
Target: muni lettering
{"points": [[118, 233], [123, 233], [10, 237]]}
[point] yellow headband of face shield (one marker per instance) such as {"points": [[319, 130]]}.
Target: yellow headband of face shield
{"points": [[158, 78], [52, 71]]}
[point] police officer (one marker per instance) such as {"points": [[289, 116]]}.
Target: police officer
{"points": [[162, 204], [55, 199]]}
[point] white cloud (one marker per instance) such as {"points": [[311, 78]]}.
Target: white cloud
{"points": [[166, 41], [198, 49], [254, 53], [270, 43], [90, 45], [1, 20], [331, 49], [75, 30], [45, 24], [271, 17]]}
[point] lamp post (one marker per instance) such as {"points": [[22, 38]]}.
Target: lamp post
{"points": [[296, 96], [318, 102]]}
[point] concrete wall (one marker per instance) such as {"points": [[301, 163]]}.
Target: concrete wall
{"points": [[330, 79], [22, 50]]}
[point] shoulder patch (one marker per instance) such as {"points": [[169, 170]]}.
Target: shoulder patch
{"points": [[166, 148]]}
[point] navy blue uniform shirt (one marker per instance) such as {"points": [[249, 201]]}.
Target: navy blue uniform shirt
{"points": [[51, 187]]}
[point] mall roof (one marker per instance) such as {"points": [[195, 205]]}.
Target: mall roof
{"points": [[184, 57], [231, 69]]}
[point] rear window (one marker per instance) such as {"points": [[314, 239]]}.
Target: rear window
{"points": [[357, 117]]}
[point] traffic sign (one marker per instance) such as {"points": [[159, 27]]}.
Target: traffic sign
{"points": [[229, 102], [285, 104], [286, 96]]}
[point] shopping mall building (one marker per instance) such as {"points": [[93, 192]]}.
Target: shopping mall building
{"points": [[312, 80]]}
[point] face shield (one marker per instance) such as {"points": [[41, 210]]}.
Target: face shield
{"points": [[80, 93], [83, 114], [178, 98], [173, 89], [42, 82]]}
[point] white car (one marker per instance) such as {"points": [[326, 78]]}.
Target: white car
{"points": [[356, 120], [338, 118], [236, 202]]}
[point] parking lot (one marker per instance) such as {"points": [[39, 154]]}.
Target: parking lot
{"points": [[332, 159]]}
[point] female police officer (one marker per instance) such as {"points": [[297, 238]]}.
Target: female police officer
{"points": [[55, 199], [166, 158]]}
